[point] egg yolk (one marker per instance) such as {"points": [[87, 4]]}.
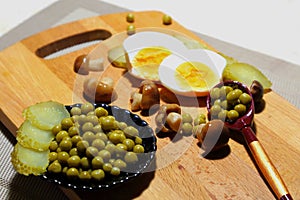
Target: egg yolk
{"points": [[147, 61], [195, 75]]}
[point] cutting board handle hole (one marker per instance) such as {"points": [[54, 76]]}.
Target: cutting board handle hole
{"points": [[72, 43]]}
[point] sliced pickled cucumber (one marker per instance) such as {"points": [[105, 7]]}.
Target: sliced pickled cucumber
{"points": [[32, 137], [190, 43], [45, 115], [116, 56], [246, 74], [28, 161]]}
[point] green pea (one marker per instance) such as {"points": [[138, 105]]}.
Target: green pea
{"points": [[222, 115], [119, 163], [240, 108], [82, 145], [89, 136], [55, 167], [98, 174], [75, 139], [234, 95], [226, 89], [224, 104], [107, 167], [101, 112], [53, 145], [217, 102], [75, 111], [60, 135], [56, 129], [73, 152], [215, 109], [111, 148], [86, 108], [65, 145], [52, 156], [187, 118], [129, 143], [107, 123], [97, 129], [66, 123], [91, 152], [85, 163], [115, 171], [138, 148], [74, 161], [91, 113], [131, 131], [106, 155], [215, 93], [245, 98], [167, 20], [63, 157], [232, 115], [99, 144], [130, 29], [93, 119], [130, 17], [73, 130], [122, 137], [97, 162], [138, 140], [121, 148], [65, 169], [84, 176], [130, 157], [115, 137], [200, 119], [87, 126], [82, 119], [122, 125], [187, 128], [72, 173], [102, 136]]}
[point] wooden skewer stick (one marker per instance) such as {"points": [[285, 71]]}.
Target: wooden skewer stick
{"points": [[265, 165]]}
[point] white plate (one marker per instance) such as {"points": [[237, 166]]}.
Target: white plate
{"points": [[167, 69]]}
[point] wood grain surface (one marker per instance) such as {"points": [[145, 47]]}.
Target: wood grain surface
{"points": [[28, 77]]}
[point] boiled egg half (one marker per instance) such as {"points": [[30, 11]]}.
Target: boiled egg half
{"points": [[191, 72], [144, 52]]}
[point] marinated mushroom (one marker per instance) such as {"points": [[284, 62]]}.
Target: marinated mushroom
{"points": [[83, 64], [150, 95], [212, 136], [257, 91], [100, 91], [146, 98], [161, 118], [174, 121], [136, 99]]}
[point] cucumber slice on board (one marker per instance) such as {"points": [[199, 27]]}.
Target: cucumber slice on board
{"points": [[246, 74]]}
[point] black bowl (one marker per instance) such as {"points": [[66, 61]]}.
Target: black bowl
{"points": [[132, 171]]}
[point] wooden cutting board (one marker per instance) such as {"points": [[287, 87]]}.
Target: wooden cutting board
{"points": [[28, 76]]}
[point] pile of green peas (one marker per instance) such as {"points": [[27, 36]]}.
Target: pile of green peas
{"points": [[228, 103], [188, 123], [92, 145]]}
